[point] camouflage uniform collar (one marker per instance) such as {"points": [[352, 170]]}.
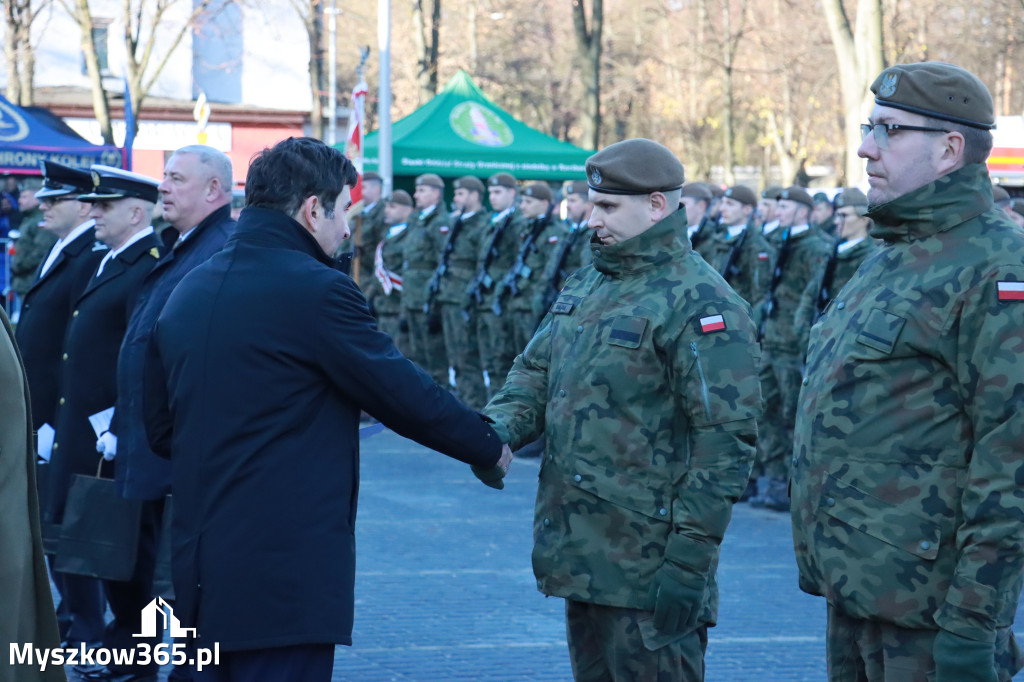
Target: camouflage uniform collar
{"points": [[655, 246], [944, 203]]}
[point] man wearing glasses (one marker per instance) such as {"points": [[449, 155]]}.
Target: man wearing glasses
{"points": [[907, 468]]}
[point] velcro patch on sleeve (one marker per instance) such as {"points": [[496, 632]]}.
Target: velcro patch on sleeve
{"points": [[712, 323], [1010, 291]]}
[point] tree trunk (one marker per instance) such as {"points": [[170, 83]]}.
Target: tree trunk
{"points": [[100, 105], [315, 32], [426, 71], [860, 59], [11, 37], [588, 46]]}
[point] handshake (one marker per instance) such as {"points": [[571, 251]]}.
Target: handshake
{"points": [[493, 476]]}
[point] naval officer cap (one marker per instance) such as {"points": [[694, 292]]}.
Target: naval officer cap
{"points": [[636, 166], [430, 180], [63, 181], [538, 190], [400, 196], [938, 90], [111, 184], [471, 183], [797, 194], [742, 194]]}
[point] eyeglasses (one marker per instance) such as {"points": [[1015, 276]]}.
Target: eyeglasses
{"points": [[882, 131]]}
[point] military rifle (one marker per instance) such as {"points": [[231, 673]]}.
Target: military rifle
{"points": [[519, 269], [482, 281], [434, 286], [559, 274], [770, 305]]}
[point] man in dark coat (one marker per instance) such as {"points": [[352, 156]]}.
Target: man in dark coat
{"points": [[122, 205], [60, 278], [260, 412]]}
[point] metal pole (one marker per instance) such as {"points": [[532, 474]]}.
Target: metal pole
{"points": [[384, 108], [332, 77]]}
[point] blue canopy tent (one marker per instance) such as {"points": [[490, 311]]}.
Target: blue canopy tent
{"points": [[25, 140]]}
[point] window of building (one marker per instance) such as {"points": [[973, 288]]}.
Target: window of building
{"points": [[100, 33]]}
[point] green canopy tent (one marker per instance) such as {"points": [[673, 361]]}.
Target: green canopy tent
{"points": [[461, 132]]}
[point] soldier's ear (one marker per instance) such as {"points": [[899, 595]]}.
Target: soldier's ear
{"points": [[658, 206], [952, 152]]}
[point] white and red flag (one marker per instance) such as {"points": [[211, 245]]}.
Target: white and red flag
{"points": [[1010, 291], [354, 139], [712, 323]]}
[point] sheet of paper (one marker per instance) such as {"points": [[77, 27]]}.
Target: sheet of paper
{"points": [[44, 441], [101, 421]]}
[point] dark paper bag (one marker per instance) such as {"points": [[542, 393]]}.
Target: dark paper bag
{"points": [[99, 536]]}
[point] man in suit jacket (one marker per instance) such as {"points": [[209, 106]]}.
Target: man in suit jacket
{"points": [[261, 362], [26, 609], [45, 313], [122, 206]]}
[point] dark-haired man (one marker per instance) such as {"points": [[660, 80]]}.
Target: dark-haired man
{"points": [[260, 415]]}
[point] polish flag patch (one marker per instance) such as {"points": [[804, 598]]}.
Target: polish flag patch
{"points": [[762, 255], [1010, 291], [553, 239], [444, 229], [712, 323]]}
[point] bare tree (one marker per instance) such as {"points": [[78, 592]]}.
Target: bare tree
{"points": [[142, 65], [427, 48], [588, 46], [860, 58], [18, 49], [312, 14]]}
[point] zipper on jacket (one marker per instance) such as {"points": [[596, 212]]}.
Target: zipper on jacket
{"points": [[704, 395]]}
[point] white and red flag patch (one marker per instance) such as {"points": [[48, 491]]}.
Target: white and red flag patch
{"points": [[712, 323], [1010, 291]]}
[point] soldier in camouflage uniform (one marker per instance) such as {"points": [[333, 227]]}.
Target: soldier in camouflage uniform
{"points": [[498, 249], [643, 380], [371, 228], [387, 269], [32, 246], [823, 215], [428, 230], [701, 227], [522, 285], [802, 253], [573, 251], [454, 273], [740, 253], [854, 246], [767, 207], [907, 508]]}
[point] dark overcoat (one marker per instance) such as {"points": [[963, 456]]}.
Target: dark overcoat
{"points": [[88, 375], [260, 363], [45, 312], [140, 473]]}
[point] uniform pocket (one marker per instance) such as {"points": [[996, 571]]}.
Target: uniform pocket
{"points": [[881, 330], [627, 331]]}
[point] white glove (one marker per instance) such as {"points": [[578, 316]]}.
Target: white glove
{"points": [[107, 445]]}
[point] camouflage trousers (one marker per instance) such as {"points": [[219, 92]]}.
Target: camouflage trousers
{"points": [[524, 324], [391, 324], [781, 379], [463, 352], [874, 651], [494, 334], [426, 347], [612, 644]]}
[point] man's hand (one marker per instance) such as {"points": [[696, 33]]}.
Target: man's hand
{"points": [[493, 476], [106, 445], [679, 598], [958, 659]]}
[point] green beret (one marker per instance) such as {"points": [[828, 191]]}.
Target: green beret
{"points": [[579, 187], [999, 194], [697, 190], [538, 190], [821, 198], [798, 195], [742, 194], [851, 196], [370, 176], [938, 90], [430, 180], [636, 166], [473, 184], [400, 196], [502, 180], [772, 192]]}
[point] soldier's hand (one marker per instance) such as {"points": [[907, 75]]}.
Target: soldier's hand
{"points": [[958, 659], [493, 476], [106, 445], [679, 598]]}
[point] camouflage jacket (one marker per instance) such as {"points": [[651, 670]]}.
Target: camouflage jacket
{"points": [[531, 279], [392, 257], [808, 251], [462, 261], [422, 250], [846, 264], [30, 250], [751, 268], [907, 470], [506, 247], [643, 380], [571, 253]]}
